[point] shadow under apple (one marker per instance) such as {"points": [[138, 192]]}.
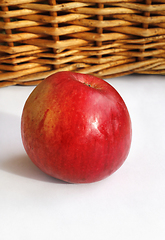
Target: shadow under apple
{"points": [[23, 166], [13, 158]]}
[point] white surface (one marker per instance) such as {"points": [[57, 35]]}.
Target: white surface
{"points": [[130, 204]]}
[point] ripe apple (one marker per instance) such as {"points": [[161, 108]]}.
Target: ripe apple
{"points": [[76, 127]]}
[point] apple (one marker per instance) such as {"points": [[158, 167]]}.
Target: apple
{"points": [[76, 127]]}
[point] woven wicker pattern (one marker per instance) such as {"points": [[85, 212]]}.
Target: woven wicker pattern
{"points": [[106, 38]]}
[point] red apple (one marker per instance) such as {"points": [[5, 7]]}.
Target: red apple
{"points": [[76, 127]]}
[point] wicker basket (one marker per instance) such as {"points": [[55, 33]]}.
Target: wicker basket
{"points": [[105, 38]]}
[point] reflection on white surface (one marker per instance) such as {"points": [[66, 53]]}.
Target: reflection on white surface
{"points": [[127, 205]]}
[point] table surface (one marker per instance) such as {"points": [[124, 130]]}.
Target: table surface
{"points": [[130, 204]]}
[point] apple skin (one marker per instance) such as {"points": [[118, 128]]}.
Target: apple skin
{"points": [[76, 127]]}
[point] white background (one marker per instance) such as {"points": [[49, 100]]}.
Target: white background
{"points": [[130, 204]]}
